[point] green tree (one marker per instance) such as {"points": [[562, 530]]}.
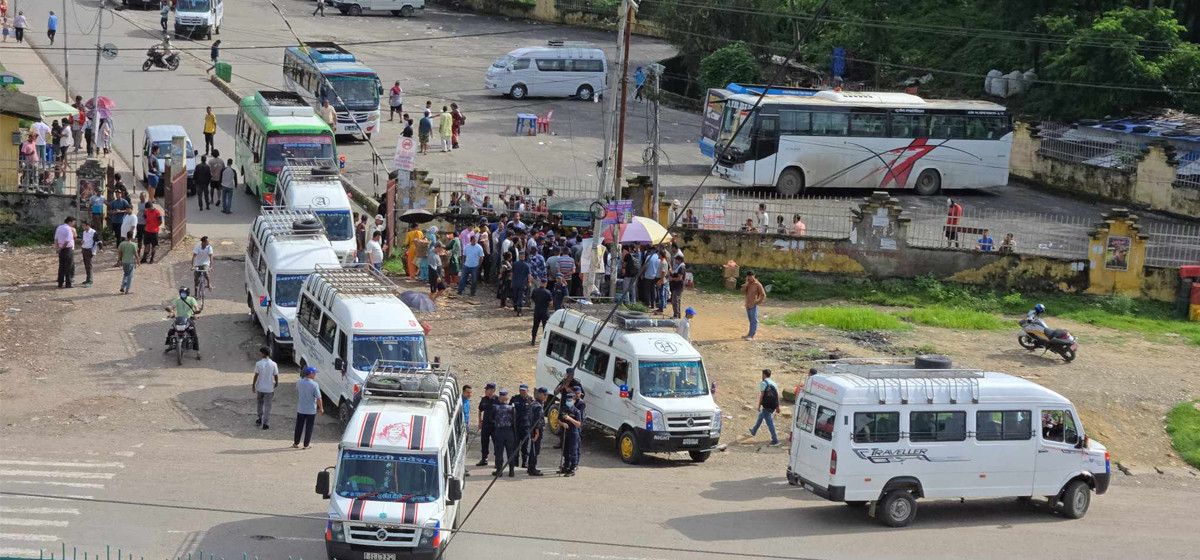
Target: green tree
{"points": [[731, 63]]}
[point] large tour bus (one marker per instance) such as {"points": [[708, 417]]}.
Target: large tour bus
{"points": [[311, 70], [800, 138], [272, 127]]}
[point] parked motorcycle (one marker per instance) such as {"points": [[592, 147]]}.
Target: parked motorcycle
{"points": [[1035, 334], [180, 338], [154, 59]]}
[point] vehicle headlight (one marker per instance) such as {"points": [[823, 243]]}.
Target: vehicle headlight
{"points": [[334, 531], [284, 331], [716, 422], [655, 421]]}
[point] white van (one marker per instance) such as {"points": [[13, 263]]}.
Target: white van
{"points": [[552, 71], [160, 135], [201, 17], [316, 185], [285, 246], [402, 8], [396, 489], [646, 385], [348, 319], [888, 431]]}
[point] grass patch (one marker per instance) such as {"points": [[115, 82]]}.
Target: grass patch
{"points": [[1183, 425], [953, 318], [845, 318], [395, 267], [26, 236]]}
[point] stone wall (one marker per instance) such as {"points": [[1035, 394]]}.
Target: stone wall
{"points": [[1160, 284], [35, 209]]}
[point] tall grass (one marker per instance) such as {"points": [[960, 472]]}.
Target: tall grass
{"points": [[846, 319], [953, 318], [1183, 425]]}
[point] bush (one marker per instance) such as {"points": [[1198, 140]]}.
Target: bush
{"points": [[1183, 425], [731, 63], [845, 318]]}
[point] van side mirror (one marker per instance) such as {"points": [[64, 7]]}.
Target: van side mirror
{"points": [[339, 364], [1084, 443], [625, 391], [455, 490], [323, 484]]}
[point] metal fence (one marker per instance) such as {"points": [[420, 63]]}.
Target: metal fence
{"points": [[1081, 146], [1050, 235], [822, 217], [528, 190], [1172, 245], [1187, 175], [38, 177]]}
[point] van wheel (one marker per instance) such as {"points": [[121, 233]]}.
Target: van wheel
{"points": [[518, 91], [406, 11], [552, 420], [344, 412], [585, 92], [897, 508], [700, 456], [208, 33], [791, 182], [929, 182], [355, 10], [253, 316], [274, 346], [1076, 499], [218, 29], [627, 446]]}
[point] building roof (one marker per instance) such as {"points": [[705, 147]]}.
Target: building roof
{"points": [[1168, 124], [17, 104]]}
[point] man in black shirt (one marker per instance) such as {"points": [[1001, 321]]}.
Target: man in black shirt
{"points": [[537, 425], [675, 279], [504, 435], [629, 266], [487, 420], [542, 298], [522, 405], [201, 177]]}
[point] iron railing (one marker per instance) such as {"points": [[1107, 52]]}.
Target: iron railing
{"points": [[1187, 175], [38, 177], [1052, 235], [1172, 244], [822, 216], [1079, 145], [526, 189]]}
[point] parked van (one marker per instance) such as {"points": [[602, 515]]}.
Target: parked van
{"points": [[315, 184], [886, 432], [201, 17], [396, 489], [402, 8], [285, 246], [553, 71], [642, 382], [348, 319], [160, 135]]}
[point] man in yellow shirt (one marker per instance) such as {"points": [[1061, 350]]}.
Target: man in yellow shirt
{"points": [[210, 129]]}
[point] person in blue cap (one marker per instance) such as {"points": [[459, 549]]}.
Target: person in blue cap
{"points": [[537, 425], [521, 404], [568, 385], [308, 404], [684, 328], [504, 435], [487, 421], [571, 420]]}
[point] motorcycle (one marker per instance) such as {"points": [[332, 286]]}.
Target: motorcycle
{"points": [[154, 59], [181, 339], [1035, 334]]}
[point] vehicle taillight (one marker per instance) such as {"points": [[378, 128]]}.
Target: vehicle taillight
{"points": [[833, 462]]}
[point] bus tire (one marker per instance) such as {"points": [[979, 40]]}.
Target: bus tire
{"points": [[354, 10], [791, 182], [406, 11], [585, 92], [518, 91], [929, 182]]}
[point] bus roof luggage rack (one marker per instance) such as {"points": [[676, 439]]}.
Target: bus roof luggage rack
{"points": [[309, 169], [360, 280], [287, 222], [282, 98], [924, 374], [411, 381]]}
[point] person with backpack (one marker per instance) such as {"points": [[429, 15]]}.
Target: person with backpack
{"points": [[768, 405]]}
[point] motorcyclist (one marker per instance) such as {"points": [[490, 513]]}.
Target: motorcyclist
{"points": [[1035, 315], [163, 51], [185, 306]]}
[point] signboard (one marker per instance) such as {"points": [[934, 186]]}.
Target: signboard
{"points": [[406, 154], [618, 212], [591, 259], [476, 188], [713, 211], [1116, 256], [576, 218], [108, 51]]}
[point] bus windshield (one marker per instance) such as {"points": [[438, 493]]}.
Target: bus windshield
{"points": [[280, 148], [287, 289], [191, 5], [672, 379], [389, 477], [369, 349], [741, 142], [356, 91], [337, 224]]}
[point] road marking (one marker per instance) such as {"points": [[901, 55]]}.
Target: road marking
{"points": [[61, 474], [113, 465], [40, 510], [16, 552], [55, 483], [24, 537], [32, 522], [54, 498]]}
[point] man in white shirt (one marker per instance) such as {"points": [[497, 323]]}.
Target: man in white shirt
{"points": [[375, 252], [328, 115], [89, 249], [43, 134], [684, 329], [64, 244], [202, 261], [266, 379], [764, 221]]}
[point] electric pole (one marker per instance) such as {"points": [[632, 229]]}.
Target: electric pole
{"points": [[627, 8], [96, 77], [62, 24], [657, 70]]}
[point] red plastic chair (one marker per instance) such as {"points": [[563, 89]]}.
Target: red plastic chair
{"points": [[543, 123]]}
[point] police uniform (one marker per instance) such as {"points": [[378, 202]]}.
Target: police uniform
{"points": [[488, 424], [504, 436], [571, 441], [537, 427], [560, 392], [521, 408]]}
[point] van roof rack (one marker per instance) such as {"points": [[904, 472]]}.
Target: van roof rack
{"points": [[598, 308], [280, 222], [356, 280], [920, 376], [309, 170], [422, 381]]}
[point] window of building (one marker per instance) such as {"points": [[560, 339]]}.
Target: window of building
{"points": [[876, 427], [561, 348], [1003, 425], [937, 426]]}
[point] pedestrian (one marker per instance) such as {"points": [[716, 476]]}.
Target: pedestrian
{"points": [[537, 425], [487, 421], [375, 252], [541, 298], [202, 261], [4, 27], [116, 214], [649, 278], [360, 238], [684, 328], [106, 132], [210, 129], [201, 177], [986, 243], [396, 103], [522, 407], [467, 392], [43, 139], [764, 219], [308, 404], [558, 294], [52, 26], [228, 182], [329, 115], [433, 261], [472, 259], [571, 419], [504, 279], [798, 229], [152, 171], [954, 211], [127, 256], [504, 435], [66, 139], [446, 128], [639, 80], [89, 138], [454, 250], [214, 53], [408, 126], [90, 245], [132, 222], [320, 8], [522, 278], [661, 289], [266, 379], [768, 406], [216, 168], [457, 120], [424, 130], [97, 203], [755, 294], [153, 224], [64, 245], [19, 26], [678, 274], [163, 11]]}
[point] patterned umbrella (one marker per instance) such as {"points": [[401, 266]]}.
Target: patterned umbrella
{"points": [[640, 230], [105, 104]]}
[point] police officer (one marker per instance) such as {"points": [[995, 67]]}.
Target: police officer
{"points": [[520, 405], [571, 421], [504, 435], [560, 392], [487, 423], [537, 419]]}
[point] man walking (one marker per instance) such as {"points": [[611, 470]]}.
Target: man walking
{"points": [[768, 405], [201, 177], [684, 328], [457, 121], [675, 282], [522, 276], [52, 26], [375, 252], [329, 115], [542, 298], [521, 406], [308, 404], [487, 421], [537, 424], [320, 8], [424, 130], [396, 102], [128, 259], [472, 258], [210, 129], [163, 12], [64, 243], [504, 435], [228, 182], [755, 294], [266, 379], [90, 244], [19, 25], [216, 168], [446, 128], [42, 140], [954, 211]]}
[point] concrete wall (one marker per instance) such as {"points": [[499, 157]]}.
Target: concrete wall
{"points": [[1160, 284], [35, 209]]}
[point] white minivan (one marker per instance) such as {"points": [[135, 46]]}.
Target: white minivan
{"points": [[316, 185], [886, 432], [550, 71], [642, 382], [285, 246], [160, 136], [199, 17], [348, 319], [402, 8]]}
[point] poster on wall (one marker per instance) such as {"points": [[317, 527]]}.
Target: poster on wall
{"points": [[1116, 256], [476, 188], [618, 212], [713, 209]]}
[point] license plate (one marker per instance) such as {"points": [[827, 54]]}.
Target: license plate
{"points": [[355, 127], [809, 487], [691, 441], [379, 556], [1074, 346]]}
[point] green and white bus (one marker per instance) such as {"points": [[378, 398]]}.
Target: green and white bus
{"points": [[272, 127]]}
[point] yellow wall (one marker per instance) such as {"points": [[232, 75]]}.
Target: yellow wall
{"points": [[1160, 284], [1024, 270], [9, 154], [1103, 280], [752, 252]]}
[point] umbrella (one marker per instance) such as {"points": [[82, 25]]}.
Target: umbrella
{"points": [[51, 108], [640, 230], [416, 216], [105, 106], [418, 301]]}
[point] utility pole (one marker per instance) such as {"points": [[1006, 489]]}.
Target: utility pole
{"points": [[62, 26], [628, 7], [657, 70], [96, 78]]}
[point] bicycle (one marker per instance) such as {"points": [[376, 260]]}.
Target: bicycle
{"points": [[200, 283]]}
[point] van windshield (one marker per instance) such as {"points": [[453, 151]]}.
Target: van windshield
{"points": [[503, 62], [164, 148], [337, 224], [191, 5], [388, 477], [672, 379], [369, 349], [287, 289]]}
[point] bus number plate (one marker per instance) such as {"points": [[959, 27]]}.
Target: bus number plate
{"points": [[692, 441], [379, 556]]}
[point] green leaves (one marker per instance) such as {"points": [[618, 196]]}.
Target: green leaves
{"points": [[731, 63]]}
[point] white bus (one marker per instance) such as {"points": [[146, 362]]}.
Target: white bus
{"points": [[310, 70], [799, 138]]}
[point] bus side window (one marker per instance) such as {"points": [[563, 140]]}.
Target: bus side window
{"points": [[621, 372]]}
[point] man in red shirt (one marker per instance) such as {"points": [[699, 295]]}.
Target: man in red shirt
{"points": [[953, 212], [154, 219]]}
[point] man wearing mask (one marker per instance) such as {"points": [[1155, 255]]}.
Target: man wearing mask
{"points": [[571, 419], [504, 435], [537, 425]]}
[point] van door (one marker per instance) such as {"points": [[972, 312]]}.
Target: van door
{"points": [[1005, 450], [813, 441], [546, 77], [1058, 458], [335, 381], [599, 393]]}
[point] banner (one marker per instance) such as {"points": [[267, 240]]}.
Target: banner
{"points": [[476, 188], [618, 212], [713, 210], [406, 154]]}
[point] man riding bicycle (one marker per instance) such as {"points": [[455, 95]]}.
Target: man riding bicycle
{"points": [[202, 263], [185, 306]]}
